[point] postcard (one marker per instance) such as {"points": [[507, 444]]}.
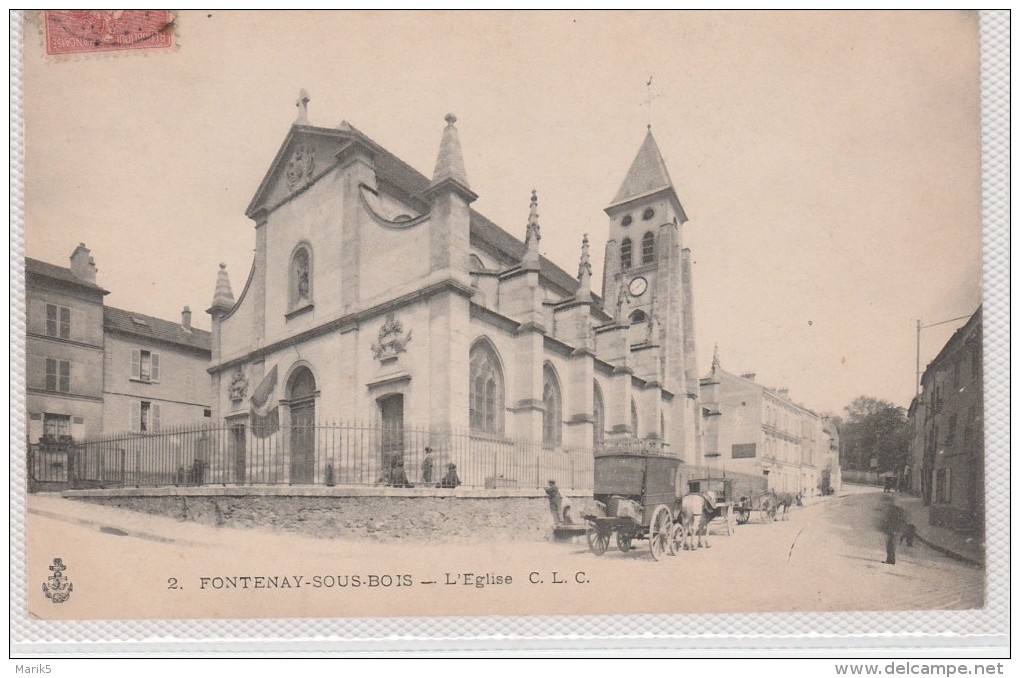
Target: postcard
{"points": [[431, 316]]}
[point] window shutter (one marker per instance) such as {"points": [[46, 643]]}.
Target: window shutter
{"points": [[136, 416], [65, 376], [155, 416], [136, 363], [65, 322], [154, 367], [51, 374]]}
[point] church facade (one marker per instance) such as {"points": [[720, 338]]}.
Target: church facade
{"points": [[377, 294]]}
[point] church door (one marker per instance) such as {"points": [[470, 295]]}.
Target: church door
{"points": [[302, 427], [302, 443], [391, 410]]}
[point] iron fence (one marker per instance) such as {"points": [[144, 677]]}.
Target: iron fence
{"points": [[324, 454]]}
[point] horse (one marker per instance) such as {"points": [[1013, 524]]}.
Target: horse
{"points": [[696, 512], [783, 502]]}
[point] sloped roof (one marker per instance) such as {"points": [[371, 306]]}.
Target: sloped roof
{"points": [[647, 174], [410, 180], [61, 273], [139, 324]]}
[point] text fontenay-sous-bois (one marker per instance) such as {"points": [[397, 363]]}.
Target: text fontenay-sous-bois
{"points": [[376, 581]]}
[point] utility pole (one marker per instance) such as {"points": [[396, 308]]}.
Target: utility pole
{"points": [[917, 373]]}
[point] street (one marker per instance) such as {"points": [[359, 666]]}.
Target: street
{"points": [[827, 557]]}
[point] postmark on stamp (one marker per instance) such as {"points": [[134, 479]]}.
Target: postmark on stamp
{"points": [[70, 31]]}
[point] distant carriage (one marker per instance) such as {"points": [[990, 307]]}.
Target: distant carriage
{"points": [[639, 494]]}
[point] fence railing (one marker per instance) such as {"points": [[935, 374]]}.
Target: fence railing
{"points": [[320, 454]]}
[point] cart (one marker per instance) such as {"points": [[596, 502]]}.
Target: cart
{"points": [[763, 503], [640, 498]]}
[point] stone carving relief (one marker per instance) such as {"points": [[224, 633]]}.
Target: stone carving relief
{"points": [[300, 167], [238, 386], [392, 340]]}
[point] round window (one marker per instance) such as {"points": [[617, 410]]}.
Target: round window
{"points": [[627, 220], [648, 214]]}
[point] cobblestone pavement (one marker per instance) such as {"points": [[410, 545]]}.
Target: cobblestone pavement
{"points": [[827, 556]]}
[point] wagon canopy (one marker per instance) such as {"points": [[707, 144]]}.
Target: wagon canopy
{"points": [[635, 475]]}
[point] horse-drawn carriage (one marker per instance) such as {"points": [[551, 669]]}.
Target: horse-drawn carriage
{"points": [[639, 494], [729, 508]]}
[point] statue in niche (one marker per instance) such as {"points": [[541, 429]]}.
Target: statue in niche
{"points": [[238, 386]]}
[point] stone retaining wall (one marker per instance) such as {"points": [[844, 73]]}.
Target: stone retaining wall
{"points": [[377, 518]]}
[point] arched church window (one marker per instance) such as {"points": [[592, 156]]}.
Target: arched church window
{"points": [[301, 276], [552, 419], [486, 389], [626, 253], [638, 316], [648, 248], [633, 418], [599, 415]]}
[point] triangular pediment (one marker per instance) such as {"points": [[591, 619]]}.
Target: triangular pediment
{"points": [[305, 155]]}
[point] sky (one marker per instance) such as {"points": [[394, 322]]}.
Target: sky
{"points": [[829, 162]]}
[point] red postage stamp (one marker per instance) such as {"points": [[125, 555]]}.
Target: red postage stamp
{"points": [[70, 31]]}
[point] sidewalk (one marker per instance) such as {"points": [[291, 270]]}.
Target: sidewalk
{"points": [[967, 548]]}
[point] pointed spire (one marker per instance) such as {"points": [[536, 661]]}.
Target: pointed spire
{"points": [[533, 235], [584, 272], [302, 106], [450, 161], [223, 297], [716, 366], [647, 174]]}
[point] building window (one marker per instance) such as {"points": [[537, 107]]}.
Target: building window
{"points": [[207, 413], [648, 248], [58, 321], [144, 365], [943, 491], [56, 425], [552, 419], [633, 418], [638, 316], [301, 276], [975, 362], [626, 253], [486, 390], [58, 375], [145, 416], [599, 415], [951, 433]]}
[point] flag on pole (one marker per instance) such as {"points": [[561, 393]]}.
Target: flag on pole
{"points": [[265, 408]]}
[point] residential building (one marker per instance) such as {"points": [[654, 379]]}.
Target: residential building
{"points": [[64, 348], [93, 369], [948, 418], [753, 429], [155, 372]]}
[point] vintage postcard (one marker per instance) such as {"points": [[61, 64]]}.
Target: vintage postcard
{"points": [[435, 315]]}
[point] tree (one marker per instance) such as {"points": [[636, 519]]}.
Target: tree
{"points": [[874, 428]]}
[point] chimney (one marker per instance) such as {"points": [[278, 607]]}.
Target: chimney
{"points": [[186, 318], [83, 266], [749, 375]]}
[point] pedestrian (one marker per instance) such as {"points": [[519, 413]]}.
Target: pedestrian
{"points": [[398, 478], [559, 505], [426, 466], [890, 548], [450, 479]]}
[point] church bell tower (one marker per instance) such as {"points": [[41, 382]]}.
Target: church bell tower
{"points": [[647, 285]]}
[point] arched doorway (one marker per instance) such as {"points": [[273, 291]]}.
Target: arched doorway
{"points": [[301, 396]]}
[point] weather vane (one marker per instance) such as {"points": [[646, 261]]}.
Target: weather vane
{"points": [[649, 98]]}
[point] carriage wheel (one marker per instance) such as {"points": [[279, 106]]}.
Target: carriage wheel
{"points": [[623, 541], [743, 517], [598, 541], [676, 539], [659, 532]]}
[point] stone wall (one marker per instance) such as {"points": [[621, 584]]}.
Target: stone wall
{"points": [[375, 518]]}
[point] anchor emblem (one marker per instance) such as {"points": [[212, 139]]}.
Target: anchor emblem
{"points": [[57, 587]]}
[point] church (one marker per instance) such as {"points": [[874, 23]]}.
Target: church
{"points": [[378, 295]]}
